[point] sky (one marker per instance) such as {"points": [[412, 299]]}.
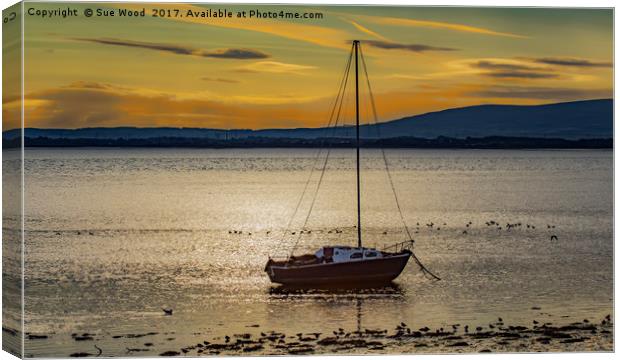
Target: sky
{"points": [[283, 73]]}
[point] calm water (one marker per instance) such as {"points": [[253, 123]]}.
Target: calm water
{"points": [[114, 235]]}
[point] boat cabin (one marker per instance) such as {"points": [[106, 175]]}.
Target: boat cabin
{"points": [[338, 254]]}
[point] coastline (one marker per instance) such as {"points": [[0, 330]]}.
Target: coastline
{"points": [[403, 142]]}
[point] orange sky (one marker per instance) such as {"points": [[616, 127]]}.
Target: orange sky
{"points": [[265, 73]]}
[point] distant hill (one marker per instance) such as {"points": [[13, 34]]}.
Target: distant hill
{"points": [[588, 119], [571, 120]]}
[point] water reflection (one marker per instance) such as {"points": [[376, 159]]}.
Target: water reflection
{"points": [[329, 309], [353, 291]]}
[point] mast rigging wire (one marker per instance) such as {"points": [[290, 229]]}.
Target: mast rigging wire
{"points": [[338, 103], [387, 167], [339, 97]]}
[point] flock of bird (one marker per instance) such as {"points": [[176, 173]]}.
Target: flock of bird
{"points": [[431, 226]]}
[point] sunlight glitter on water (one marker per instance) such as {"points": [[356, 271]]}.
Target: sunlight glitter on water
{"points": [[115, 235]]}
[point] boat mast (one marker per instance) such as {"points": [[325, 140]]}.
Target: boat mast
{"points": [[356, 44]]}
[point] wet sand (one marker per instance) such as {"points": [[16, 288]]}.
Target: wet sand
{"points": [[585, 336]]}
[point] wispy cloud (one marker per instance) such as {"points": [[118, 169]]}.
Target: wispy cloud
{"points": [[520, 75], [222, 80], [439, 25], [406, 77], [175, 49], [532, 68], [575, 62], [493, 65], [275, 67], [512, 69], [311, 33], [238, 54], [388, 45], [366, 30]]}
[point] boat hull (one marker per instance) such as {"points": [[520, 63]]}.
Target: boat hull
{"points": [[375, 271]]}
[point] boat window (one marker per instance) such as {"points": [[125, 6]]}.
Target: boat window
{"points": [[371, 254], [356, 255]]}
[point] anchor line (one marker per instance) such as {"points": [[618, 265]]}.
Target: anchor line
{"points": [[424, 269]]}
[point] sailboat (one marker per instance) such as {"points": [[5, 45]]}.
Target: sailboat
{"points": [[342, 264]]}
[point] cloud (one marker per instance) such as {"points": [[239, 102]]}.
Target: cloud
{"points": [[275, 67], [520, 74], [175, 49], [314, 34], [94, 85], [491, 65], [438, 25], [223, 80], [531, 68], [512, 69], [406, 77], [239, 54], [366, 30], [542, 93], [387, 45], [572, 62]]}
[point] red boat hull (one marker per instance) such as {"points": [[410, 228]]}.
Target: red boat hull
{"points": [[379, 270]]}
